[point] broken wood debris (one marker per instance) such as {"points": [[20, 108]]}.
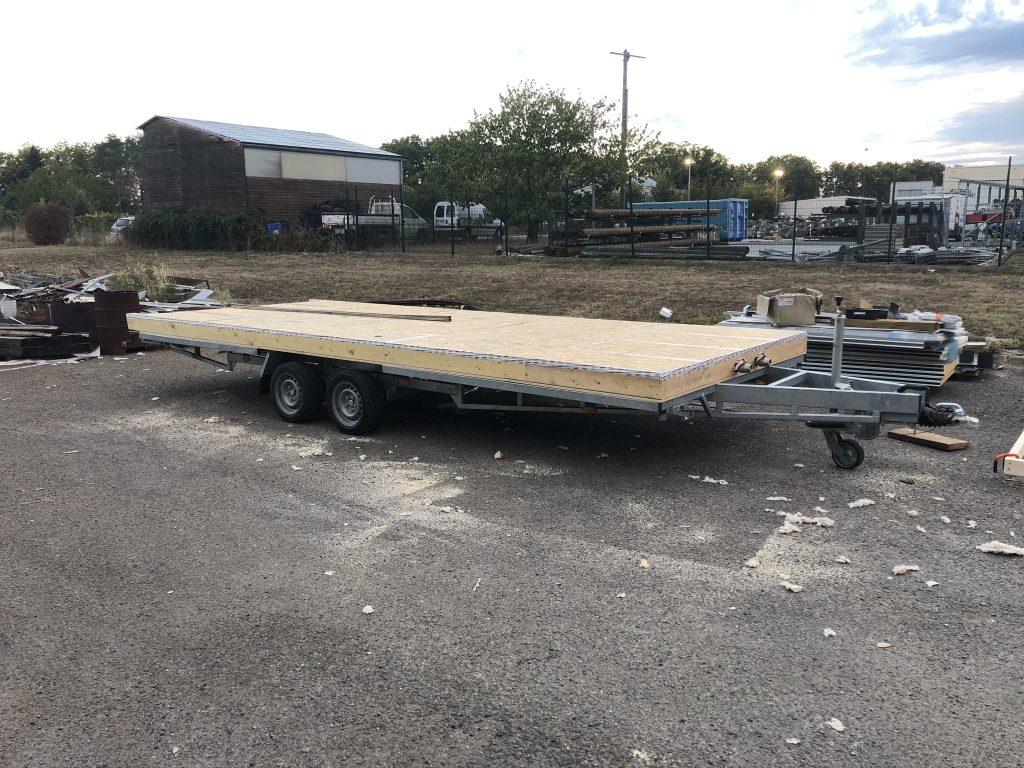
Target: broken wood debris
{"points": [[928, 439]]}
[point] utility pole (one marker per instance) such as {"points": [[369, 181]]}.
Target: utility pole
{"points": [[626, 56]]}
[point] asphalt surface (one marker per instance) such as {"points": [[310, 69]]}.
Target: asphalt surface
{"points": [[183, 583]]}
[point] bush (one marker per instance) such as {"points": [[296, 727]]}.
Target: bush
{"points": [[153, 279], [96, 221], [193, 230], [208, 230], [91, 228], [47, 223]]}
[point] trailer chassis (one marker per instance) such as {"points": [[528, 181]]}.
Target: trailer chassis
{"points": [[837, 405]]}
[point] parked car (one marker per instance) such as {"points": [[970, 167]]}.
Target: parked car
{"points": [[121, 224]]}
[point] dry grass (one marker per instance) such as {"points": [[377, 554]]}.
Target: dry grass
{"points": [[989, 300]]}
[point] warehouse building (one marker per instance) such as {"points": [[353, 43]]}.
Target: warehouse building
{"points": [[955, 177], [279, 174]]}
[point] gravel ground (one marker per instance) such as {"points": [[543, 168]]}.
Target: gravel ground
{"points": [[184, 582]]}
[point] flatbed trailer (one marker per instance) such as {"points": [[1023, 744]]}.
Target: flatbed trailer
{"points": [[303, 371]]}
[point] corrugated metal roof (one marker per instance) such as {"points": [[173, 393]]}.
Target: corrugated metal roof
{"points": [[276, 137]]}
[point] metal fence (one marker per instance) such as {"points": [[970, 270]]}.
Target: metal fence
{"points": [[976, 223]]}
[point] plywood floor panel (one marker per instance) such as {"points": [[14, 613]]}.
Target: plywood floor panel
{"points": [[656, 361]]}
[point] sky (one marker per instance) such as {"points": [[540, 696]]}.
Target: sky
{"points": [[867, 81]]}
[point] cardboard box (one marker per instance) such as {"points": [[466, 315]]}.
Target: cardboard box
{"points": [[789, 308]]}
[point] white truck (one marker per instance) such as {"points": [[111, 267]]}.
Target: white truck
{"points": [[383, 217], [466, 222]]}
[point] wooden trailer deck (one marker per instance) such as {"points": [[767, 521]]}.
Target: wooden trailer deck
{"points": [[652, 361]]}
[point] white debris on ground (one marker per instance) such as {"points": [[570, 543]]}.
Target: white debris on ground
{"points": [[641, 756], [836, 724], [776, 498], [920, 529], [945, 519], [296, 467], [794, 523], [883, 645], [829, 632], [901, 570], [843, 560], [621, 595], [329, 573], [644, 563], [999, 548], [791, 740], [860, 503], [752, 562], [791, 586], [499, 455], [913, 512], [799, 466], [931, 584], [707, 479], [367, 609], [822, 521]]}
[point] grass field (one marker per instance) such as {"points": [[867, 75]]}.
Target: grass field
{"points": [[699, 292]]}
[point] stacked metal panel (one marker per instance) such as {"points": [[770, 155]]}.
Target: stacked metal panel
{"points": [[915, 358]]}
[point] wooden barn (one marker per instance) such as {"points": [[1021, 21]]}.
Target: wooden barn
{"points": [[279, 174]]}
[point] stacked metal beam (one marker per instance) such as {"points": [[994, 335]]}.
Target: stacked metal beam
{"points": [[915, 358]]}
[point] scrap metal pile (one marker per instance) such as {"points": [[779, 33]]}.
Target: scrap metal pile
{"points": [[54, 316], [920, 349]]}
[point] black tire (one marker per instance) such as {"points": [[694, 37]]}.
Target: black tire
{"points": [[356, 402], [850, 454], [298, 392]]}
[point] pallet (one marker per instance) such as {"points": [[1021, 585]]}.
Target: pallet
{"points": [[928, 439], [652, 361]]}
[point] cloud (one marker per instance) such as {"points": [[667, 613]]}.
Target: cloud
{"points": [[1000, 122], [988, 130], [945, 35]]}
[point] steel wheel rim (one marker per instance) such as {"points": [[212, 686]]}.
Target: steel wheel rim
{"points": [[289, 394], [347, 404]]}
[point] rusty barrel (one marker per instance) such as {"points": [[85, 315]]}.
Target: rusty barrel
{"points": [[111, 325]]}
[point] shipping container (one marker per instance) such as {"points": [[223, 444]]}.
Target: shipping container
{"points": [[731, 220]]}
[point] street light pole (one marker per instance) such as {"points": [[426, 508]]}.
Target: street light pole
{"points": [[689, 169], [777, 173], [626, 56]]}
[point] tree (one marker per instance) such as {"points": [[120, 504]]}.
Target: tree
{"points": [[118, 165], [801, 177], [103, 177], [16, 167], [537, 142], [710, 172]]}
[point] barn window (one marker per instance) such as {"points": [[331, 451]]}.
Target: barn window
{"points": [[263, 162]]}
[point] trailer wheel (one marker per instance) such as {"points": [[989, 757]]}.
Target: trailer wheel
{"points": [[356, 402], [847, 453], [298, 392]]}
